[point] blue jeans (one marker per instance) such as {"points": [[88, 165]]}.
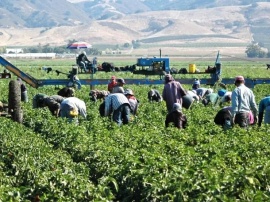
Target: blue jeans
{"points": [[122, 114], [83, 66]]}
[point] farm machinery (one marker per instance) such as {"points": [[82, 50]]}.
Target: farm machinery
{"points": [[149, 66], [13, 108]]}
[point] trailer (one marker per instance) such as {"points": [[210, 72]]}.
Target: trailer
{"points": [[163, 64]]}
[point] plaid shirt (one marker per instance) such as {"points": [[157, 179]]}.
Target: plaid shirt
{"points": [[114, 101]]}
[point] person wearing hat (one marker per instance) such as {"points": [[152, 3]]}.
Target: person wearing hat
{"points": [[224, 118], [52, 102], [154, 95], [94, 64], [225, 96], [112, 84], [196, 84], [243, 101], [71, 108], [194, 95], [82, 61], [172, 92], [134, 103], [264, 105], [118, 105], [119, 86], [202, 92], [176, 117], [212, 98]]}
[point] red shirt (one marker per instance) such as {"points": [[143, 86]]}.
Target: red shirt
{"points": [[111, 86]]}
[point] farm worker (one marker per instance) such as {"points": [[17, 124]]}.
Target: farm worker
{"points": [[243, 101], [24, 95], [72, 107], [73, 78], [154, 95], [176, 117], [52, 102], [196, 84], [94, 64], [172, 92], [264, 105], [96, 95], [38, 100], [119, 87], [225, 96], [118, 105], [66, 92], [202, 92], [225, 119], [194, 95], [210, 98], [82, 60], [134, 103], [112, 84]]}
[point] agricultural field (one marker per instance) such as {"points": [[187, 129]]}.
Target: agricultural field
{"points": [[47, 159]]}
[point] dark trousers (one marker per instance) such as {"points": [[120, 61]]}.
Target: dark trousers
{"points": [[122, 114], [242, 119]]}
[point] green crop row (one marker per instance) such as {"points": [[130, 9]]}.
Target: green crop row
{"points": [[32, 170], [48, 159], [145, 162]]}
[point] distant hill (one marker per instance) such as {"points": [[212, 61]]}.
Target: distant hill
{"points": [[172, 25]]}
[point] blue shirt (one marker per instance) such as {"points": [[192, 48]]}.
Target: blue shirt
{"points": [[243, 100], [265, 102]]}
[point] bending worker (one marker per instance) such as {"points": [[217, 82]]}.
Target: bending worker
{"points": [[52, 102], [264, 105]]}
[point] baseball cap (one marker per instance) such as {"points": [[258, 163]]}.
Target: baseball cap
{"points": [[128, 92], [197, 82], [177, 107], [121, 81], [239, 78], [222, 92]]}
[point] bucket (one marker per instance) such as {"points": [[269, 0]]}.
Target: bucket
{"points": [[192, 68]]}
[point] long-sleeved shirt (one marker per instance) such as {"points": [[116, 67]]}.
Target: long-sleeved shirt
{"points": [[153, 95], [178, 119], [134, 103], [243, 100], [265, 102], [111, 85], [202, 91], [224, 98], [173, 93], [53, 102], [118, 89], [75, 104], [113, 101]]}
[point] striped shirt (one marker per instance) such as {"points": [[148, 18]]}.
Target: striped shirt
{"points": [[114, 101], [243, 100]]}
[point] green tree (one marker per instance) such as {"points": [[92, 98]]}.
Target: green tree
{"points": [[254, 50]]}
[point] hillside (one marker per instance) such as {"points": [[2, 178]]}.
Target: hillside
{"points": [[229, 28]]}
